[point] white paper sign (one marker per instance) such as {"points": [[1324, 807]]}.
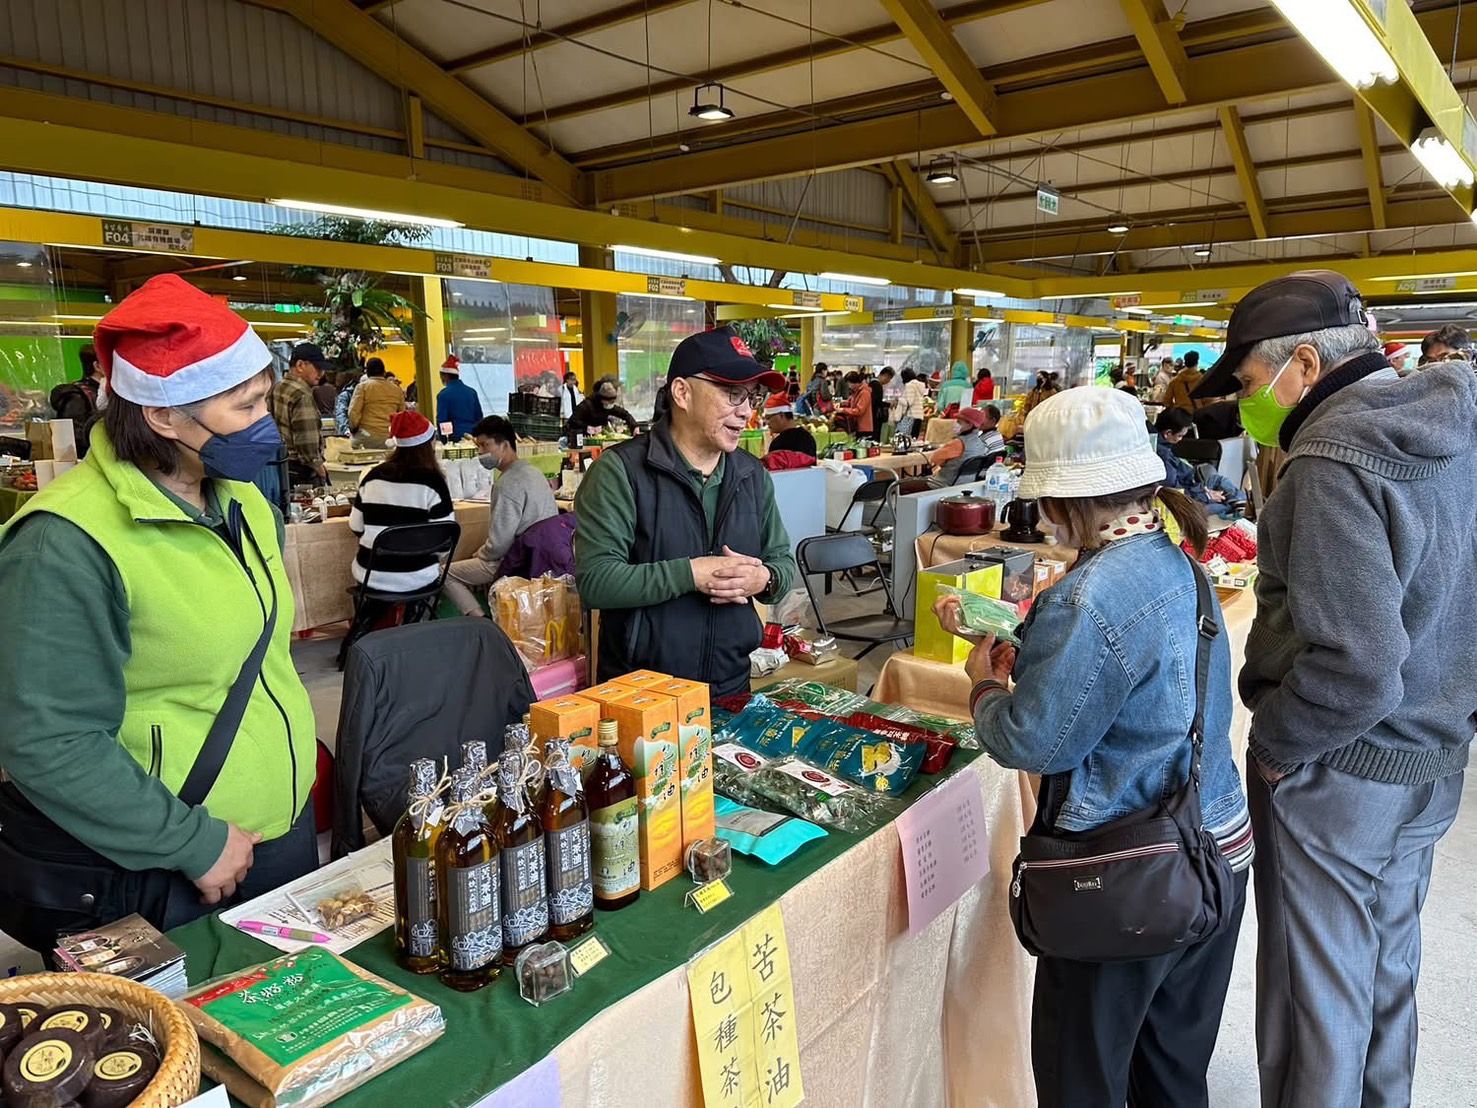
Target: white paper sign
{"points": [[945, 847]]}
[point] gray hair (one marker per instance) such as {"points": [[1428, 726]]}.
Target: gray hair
{"points": [[1334, 345]]}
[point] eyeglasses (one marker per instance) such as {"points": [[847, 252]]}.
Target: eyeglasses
{"points": [[737, 395]]}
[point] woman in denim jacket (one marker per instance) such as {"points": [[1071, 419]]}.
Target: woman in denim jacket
{"points": [[1104, 691]]}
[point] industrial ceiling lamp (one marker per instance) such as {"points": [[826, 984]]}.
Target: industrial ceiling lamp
{"points": [[941, 171], [1202, 252], [707, 103], [1119, 226], [1441, 159], [1337, 30]]}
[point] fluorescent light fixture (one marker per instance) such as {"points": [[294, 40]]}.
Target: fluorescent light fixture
{"points": [[24, 265], [1337, 30], [985, 294], [986, 319], [793, 308], [708, 103], [533, 338], [365, 213], [1137, 311], [1118, 228], [485, 331], [864, 346], [855, 279], [1203, 252], [4, 323], [88, 318], [239, 277], [661, 296], [1441, 160], [1195, 318], [669, 255]]}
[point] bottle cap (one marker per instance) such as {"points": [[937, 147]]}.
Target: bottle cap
{"points": [[474, 755], [609, 735], [422, 777]]}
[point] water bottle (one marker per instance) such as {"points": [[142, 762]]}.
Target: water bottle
{"points": [[996, 487]]}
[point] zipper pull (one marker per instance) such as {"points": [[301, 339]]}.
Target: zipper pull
{"points": [[1015, 884]]}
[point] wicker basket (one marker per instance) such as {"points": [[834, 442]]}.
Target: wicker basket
{"points": [[178, 1078]]}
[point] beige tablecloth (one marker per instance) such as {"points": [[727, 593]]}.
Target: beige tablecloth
{"points": [[884, 1020], [838, 672], [898, 463], [318, 555]]}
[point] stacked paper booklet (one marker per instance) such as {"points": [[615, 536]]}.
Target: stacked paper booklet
{"points": [[130, 947]]}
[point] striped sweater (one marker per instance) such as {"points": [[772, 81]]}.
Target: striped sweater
{"points": [[392, 496]]}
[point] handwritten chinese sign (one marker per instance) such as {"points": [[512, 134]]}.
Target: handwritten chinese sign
{"points": [[743, 1010]]}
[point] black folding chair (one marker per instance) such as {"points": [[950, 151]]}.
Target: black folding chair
{"points": [[393, 547], [872, 492], [848, 552], [974, 467], [1197, 451]]}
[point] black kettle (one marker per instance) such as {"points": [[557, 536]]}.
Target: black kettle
{"points": [[1022, 519]]}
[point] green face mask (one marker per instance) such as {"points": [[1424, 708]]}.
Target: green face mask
{"points": [[1262, 414]]}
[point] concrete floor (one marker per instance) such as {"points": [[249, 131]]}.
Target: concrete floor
{"points": [[1446, 1073]]}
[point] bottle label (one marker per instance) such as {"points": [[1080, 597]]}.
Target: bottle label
{"points": [[420, 911], [525, 893], [614, 846], [473, 917], [571, 889]]}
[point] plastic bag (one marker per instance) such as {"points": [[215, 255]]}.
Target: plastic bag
{"points": [[542, 617], [984, 615], [800, 788], [764, 835]]}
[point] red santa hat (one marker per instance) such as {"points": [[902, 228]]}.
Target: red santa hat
{"points": [[778, 404], [452, 365], [409, 429], [167, 343]]}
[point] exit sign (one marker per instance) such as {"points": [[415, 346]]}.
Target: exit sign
{"points": [[1048, 200]]}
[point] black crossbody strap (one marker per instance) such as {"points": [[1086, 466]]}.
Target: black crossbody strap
{"points": [[1206, 630], [218, 741]]}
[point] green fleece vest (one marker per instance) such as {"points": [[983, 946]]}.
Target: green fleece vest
{"points": [[194, 614]]}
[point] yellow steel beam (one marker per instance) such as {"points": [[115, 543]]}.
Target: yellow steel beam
{"points": [[1264, 70], [94, 141], [1251, 189], [1374, 175], [1161, 46], [430, 344], [920, 22], [937, 228], [373, 44], [575, 28]]}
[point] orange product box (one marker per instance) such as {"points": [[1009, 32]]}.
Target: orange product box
{"points": [[643, 678], [694, 757], [606, 693], [647, 724], [575, 718]]}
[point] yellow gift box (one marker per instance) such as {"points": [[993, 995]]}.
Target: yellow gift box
{"points": [[930, 639]]}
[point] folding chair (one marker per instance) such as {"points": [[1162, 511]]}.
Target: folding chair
{"points": [[408, 542], [845, 553]]}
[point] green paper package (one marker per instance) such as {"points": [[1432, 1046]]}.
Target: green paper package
{"points": [[984, 615], [768, 836], [304, 1029]]}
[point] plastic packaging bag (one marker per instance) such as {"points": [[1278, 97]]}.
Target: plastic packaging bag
{"points": [[800, 788], [542, 617], [984, 615], [768, 836]]}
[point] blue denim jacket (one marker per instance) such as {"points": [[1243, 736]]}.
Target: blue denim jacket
{"points": [[1104, 689]]}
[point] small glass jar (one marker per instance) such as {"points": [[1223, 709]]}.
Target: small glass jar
{"points": [[709, 860], [543, 972]]}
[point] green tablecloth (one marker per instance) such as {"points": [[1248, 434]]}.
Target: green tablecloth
{"points": [[493, 1035], [11, 501]]}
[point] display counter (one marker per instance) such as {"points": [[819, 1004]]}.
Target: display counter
{"points": [[317, 557], [883, 1018]]}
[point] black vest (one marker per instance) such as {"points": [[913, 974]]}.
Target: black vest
{"points": [[688, 636]]}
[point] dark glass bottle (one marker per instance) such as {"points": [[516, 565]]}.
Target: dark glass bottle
{"points": [[520, 834], [566, 820], [468, 887], [413, 845], [614, 847]]}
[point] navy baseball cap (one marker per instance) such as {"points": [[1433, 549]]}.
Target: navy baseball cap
{"points": [[1311, 300], [721, 355], [311, 352]]}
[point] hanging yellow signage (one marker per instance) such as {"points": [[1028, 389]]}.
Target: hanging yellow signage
{"points": [[743, 1009]]}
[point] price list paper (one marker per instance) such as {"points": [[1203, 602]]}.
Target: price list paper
{"points": [[743, 1010], [945, 847]]}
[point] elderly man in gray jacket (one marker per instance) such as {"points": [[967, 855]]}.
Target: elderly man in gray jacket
{"points": [[1361, 675]]}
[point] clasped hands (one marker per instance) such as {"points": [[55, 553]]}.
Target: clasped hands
{"points": [[989, 660], [729, 578]]}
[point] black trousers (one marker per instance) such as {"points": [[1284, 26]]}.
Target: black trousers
{"points": [[1141, 1033]]}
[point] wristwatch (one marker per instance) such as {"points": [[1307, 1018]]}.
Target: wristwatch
{"points": [[768, 585]]}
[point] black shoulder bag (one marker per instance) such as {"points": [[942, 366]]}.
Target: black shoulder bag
{"points": [[1145, 885]]}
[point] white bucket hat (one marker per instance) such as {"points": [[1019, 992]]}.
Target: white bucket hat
{"points": [[1088, 441]]}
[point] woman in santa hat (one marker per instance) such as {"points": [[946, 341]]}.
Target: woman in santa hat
{"points": [[406, 488], [159, 743]]}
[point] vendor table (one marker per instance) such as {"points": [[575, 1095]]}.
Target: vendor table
{"points": [[938, 1018], [318, 555], [939, 687], [838, 672], [11, 500], [897, 463]]}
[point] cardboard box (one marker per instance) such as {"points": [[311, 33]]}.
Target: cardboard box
{"points": [[643, 679], [647, 724], [930, 639], [694, 757], [567, 717], [604, 694], [1057, 567]]}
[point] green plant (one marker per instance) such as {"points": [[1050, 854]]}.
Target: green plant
{"points": [[356, 309], [767, 338]]}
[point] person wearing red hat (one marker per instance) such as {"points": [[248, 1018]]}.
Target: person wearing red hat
{"points": [[159, 743], [457, 403], [406, 488], [977, 438], [678, 528], [788, 432]]}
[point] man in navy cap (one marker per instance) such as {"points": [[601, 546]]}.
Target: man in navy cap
{"points": [[1358, 675], [678, 529]]}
